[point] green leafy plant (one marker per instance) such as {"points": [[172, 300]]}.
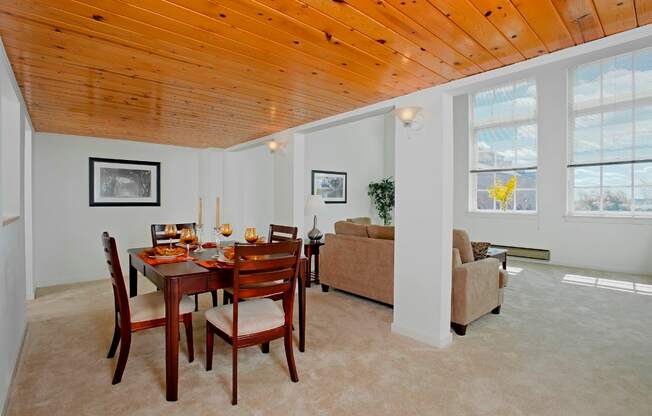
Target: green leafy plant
{"points": [[382, 195]]}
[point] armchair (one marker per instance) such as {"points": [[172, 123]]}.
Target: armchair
{"points": [[476, 287]]}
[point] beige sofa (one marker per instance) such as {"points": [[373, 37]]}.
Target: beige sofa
{"points": [[477, 285], [359, 259]]}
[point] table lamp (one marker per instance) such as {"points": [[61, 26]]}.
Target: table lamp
{"points": [[314, 205]]}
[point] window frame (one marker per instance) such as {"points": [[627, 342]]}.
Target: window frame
{"points": [[472, 172], [601, 109]]}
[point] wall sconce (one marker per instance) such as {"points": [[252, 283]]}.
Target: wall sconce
{"points": [[410, 117], [273, 146]]}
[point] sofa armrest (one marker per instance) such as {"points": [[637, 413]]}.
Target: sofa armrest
{"points": [[475, 290]]}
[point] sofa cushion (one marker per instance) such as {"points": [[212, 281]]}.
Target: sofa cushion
{"points": [[385, 232], [349, 228], [360, 220], [463, 244]]}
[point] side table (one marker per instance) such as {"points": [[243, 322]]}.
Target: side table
{"points": [[311, 249], [497, 253]]}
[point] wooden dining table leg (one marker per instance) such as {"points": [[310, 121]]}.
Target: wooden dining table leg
{"points": [[302, 307], [172, 339], [133, 279]]}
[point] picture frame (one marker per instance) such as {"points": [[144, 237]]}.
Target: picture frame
{"points": [[332, 186], [123, 183]]}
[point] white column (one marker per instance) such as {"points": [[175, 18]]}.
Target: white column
{"points": [[424, 220]]}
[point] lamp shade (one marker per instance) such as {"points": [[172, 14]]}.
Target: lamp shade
{"points": [[407, 114], [314, 204]]}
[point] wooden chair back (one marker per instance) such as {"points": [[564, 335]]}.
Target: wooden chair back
{"points": [[265, 269], [281, 233], [120, 295], [158, 238]]}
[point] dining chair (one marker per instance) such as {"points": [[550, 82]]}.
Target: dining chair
{"points": [[159, 238], [137, 313], [277, 233], [282, 233], [258, 271]]}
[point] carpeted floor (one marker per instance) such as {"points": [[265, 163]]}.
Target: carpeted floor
{"points": [[568, 342]]}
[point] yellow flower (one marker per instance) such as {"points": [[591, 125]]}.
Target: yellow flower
{"points": [[503, 193]]}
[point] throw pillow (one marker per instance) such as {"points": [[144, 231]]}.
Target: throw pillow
{"points": [[480, 250]]}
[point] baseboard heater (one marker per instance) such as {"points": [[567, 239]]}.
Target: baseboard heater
{"points": [[526, 253]]}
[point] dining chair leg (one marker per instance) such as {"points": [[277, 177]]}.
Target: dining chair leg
{"points": [[114, 343], [209, 347], [264, 347], [125, 343], [187, 322], [234, 399], [196, 302], [289, 354], [214, 296], [225, 298]]}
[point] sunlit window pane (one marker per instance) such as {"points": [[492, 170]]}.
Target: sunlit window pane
{"points": [[587, 144], [587, 199], [616, 199], [586, 85], [643, 174], [617, 135], [643, 73], [587, 176], [643, 199], [643, 133], [617, 79], [617, 175]]}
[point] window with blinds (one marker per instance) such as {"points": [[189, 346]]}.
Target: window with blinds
{"points": [[503, 138], [610, 136]]}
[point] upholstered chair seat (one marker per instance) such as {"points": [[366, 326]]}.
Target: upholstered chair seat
{"points": [[151, 306], [254, 315]]}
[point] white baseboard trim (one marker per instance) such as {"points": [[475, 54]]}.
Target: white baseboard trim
{"points": [[13, 373], [427, 338]]}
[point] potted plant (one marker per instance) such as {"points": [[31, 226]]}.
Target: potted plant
{"points": [[382, 195]]}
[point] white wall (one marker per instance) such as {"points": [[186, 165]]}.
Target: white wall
{"points": [[13, 319], [249, 190], [67, 230], [357, 148], [605, 244]]}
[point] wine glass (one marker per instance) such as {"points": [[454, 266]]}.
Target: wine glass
{"points": [[170, 232], [250, 235], [199, 248], [226, 230], [187, 237]]}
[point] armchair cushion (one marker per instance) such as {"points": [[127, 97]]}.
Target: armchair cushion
{"points": [[475, 290], [462, 242]]}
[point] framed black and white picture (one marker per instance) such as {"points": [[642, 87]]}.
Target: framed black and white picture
{"points": [[330, 185], [128, 183]]}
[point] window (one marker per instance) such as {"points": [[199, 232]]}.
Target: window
{"points": [[610, 136], [503, 130]]}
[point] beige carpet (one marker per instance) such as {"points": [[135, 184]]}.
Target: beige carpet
{"points": [[568, 342]]}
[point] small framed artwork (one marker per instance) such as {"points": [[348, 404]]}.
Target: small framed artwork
{"points": [[124, 183], [330, 185]]}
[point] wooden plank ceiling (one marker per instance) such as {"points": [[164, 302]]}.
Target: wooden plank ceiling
{"points": [[220, 72]]}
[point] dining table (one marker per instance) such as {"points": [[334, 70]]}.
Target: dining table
{"points": [[176, 279]]}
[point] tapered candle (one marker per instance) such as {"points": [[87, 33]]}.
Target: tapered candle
{"points": [[217, 212], [199, 219]]}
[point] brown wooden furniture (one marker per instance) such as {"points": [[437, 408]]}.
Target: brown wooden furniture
{"points": [[499, 254], [311, 249], [282, 233], [158, 238], [277, 233], [259, 271], [177, 279], [139, 312]]}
